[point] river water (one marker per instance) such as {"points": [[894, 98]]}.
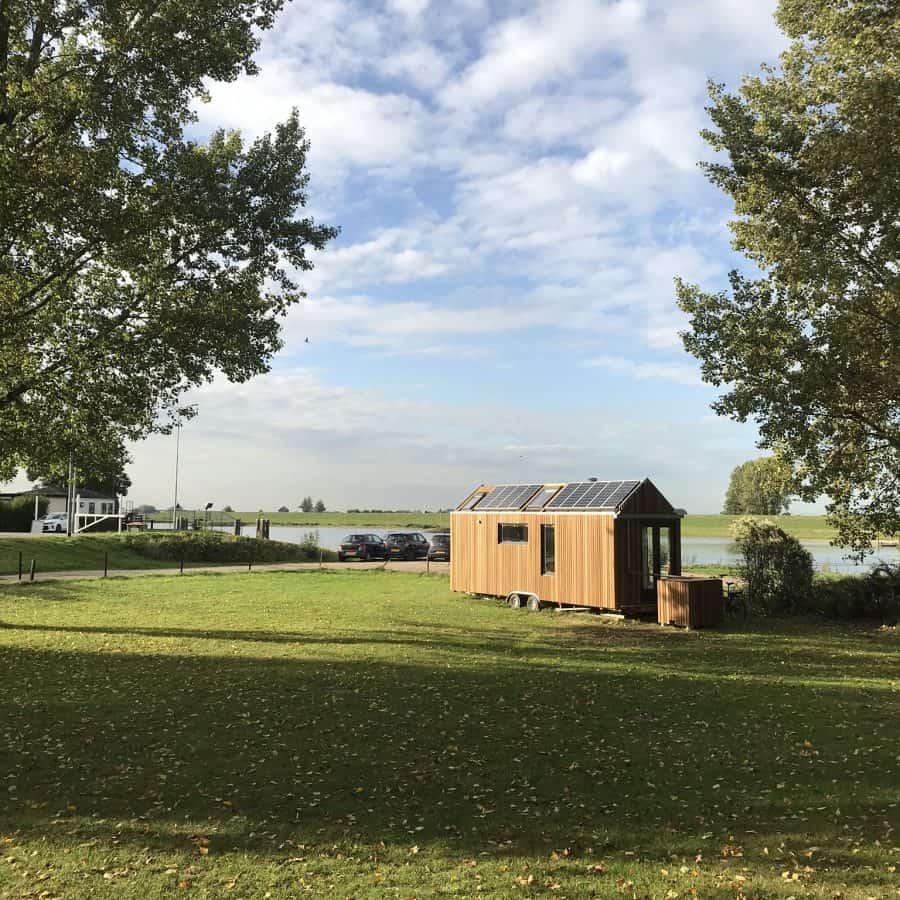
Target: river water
{"points": [[694, 551]]}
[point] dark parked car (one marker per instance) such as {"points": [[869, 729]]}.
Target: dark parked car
{"points": [[363, 546], [405, 545], [440, 547]]}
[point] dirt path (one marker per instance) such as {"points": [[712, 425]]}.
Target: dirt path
{"points": [[398, 566]]}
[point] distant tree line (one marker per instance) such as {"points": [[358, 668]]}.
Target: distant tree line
{"points": [[307, 505]]}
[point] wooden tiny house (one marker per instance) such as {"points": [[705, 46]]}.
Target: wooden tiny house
{"points": [[601, 544]]}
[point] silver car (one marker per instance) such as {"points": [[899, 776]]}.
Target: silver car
{"points": [[54, 522]]}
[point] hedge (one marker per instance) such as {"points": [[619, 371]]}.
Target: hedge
{"points": [[17, 514], [872, 596], [212, 546]]}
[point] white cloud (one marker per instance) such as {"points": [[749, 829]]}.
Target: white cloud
{"points": [[411, 8], [347, 127], [510, 175], [681, 373], [289, 434], [538, 47]]}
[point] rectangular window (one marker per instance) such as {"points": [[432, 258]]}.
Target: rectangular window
{"points": [[548, 550], [91, 508], [648, 576], [665, 552], [512, 534], [543, 497]]}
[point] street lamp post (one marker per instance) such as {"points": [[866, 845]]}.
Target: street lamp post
{"points": [[177, 452]]}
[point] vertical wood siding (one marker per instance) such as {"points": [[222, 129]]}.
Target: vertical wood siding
{"points": [[690, 602], [587, 558]]}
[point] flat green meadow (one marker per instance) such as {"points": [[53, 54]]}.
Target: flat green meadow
{"points": [[369, 734]]}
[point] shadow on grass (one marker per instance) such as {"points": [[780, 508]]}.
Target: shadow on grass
{"points": [[763, 651], [269, 753]]}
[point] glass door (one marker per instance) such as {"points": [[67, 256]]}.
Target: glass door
{"points": [[656, 557]]}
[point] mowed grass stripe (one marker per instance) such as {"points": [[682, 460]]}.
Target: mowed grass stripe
{"points": [[369, 734]]}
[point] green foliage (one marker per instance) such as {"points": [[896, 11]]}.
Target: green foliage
{"points": [[775, 567], [371, 735], [811, 350], [134, 263], [310, 542], [306, 505], [759, 487], [873, 596], [212, 546], [320, 506], [18, 513], [283, 509]]}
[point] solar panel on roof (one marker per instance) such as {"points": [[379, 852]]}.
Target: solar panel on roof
{"points": [[509, 496], [592, 495]]}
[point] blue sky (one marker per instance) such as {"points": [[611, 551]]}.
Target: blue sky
{"points": [[517, 187]]}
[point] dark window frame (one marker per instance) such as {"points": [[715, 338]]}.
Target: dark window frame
{"points": [[545, 568], [510, 540]]}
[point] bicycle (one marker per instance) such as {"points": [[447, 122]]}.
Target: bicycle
{"points": [[733, 598]]}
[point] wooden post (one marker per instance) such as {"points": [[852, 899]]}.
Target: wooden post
{"points": [[237, 527], [20, 565], [33, 567], [105, 564], [181, 567], [250, 564], [320, 557]]}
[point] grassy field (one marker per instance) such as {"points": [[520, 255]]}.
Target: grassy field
{"points": [[714, 526], [810, 528], [370, 735], [429, 521], [83, 552], [86, 552]]}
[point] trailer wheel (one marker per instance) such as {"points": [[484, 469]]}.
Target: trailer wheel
{"points": [[534, 603], [514, 601]]}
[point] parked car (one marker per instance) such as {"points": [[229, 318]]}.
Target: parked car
{"points": [[440, 547], [54, 522], [363, 546], [407, 545]]}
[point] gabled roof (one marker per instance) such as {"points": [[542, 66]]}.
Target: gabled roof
{"points": [[599, 496]]}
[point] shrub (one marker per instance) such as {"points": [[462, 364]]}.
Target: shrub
{"points": [[213, 546], [17, 514], [776, 568], [872, 596], [310, 541]]}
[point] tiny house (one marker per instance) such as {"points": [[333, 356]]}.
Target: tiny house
{"points": [[600, 544]]}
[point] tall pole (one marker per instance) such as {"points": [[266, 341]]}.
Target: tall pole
{"points": [[177, 451], [69, 498]]}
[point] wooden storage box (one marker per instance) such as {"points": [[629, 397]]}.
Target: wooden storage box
{"points": [[689, 602]]}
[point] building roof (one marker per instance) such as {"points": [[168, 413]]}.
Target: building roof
{"points": [[52, 490], [599, 496]]}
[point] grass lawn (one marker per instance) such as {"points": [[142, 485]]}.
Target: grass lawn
{"points": [[54, 553], [369, 735]]}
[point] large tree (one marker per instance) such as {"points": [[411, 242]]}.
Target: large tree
{"points": [[134, 263], [809, 347], [759, 487]]}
